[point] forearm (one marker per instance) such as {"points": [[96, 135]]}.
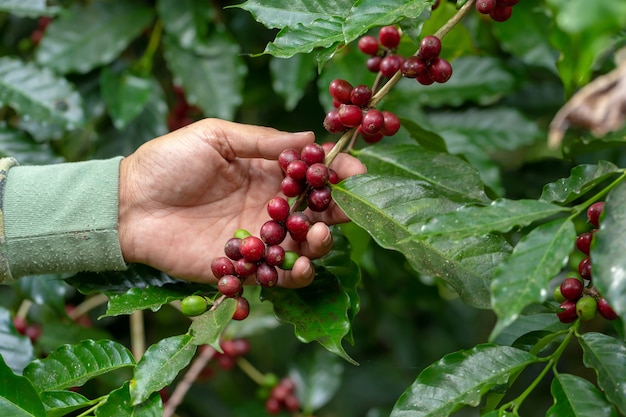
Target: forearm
{"points": [[62, 218]]}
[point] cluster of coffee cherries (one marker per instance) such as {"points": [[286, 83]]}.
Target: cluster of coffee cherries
{"points": [[351, 109], [578, 297], [42, 25], [498, 10], [282, 397], [426, 66]]}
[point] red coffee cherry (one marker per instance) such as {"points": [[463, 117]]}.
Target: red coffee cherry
{"points": [[605, 309], [229, 285], [430, 48], [243, 309], [568, 315], [389, 36], [340, 90], [222, 266], [368, 45], [593, 213], [278, 209]]}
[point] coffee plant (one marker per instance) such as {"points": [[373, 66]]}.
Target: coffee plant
{"points": [[483, 270]]}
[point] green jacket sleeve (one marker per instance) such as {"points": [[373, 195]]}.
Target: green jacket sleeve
{"points": [[60, 218]]}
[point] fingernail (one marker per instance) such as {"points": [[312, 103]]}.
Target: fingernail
{"points": [[328, 240]]}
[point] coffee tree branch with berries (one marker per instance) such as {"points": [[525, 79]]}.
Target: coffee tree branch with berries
{"points": [[483, 270]]}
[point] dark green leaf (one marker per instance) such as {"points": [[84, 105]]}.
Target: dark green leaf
{"points": [[581, 180], [607, 252], [291, 76], [49, 290], [28, 8], [318, 312], [56, 332], [460, 379], [188, 20], [159, 366], [607, 356], [541, 322], [118, 404], [72, 365], [426, 138], [19, 145], [318, 377], [523, 278], [575, 396], [18, 397], [393, 209], [38, 94], [90, 35], [137, 276], [208, 328], [125, 95], [152, 297], [502, 215], [216, 66], [281, 13], [17, 350], [61, 403]]}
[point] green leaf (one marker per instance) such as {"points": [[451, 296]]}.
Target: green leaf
{"points": [[27, 8], [208, 328], [187, 20], [91, 34], [318, 377], [125, 95], [18, 397], [281, 13], [159, 366], [72, 365], [152, 297], [56, 332], [575, 396], [523, 278], [48, 290], [118, 404], [216, 66], [453, 178], [393, 209], [582, 179], [39, 94], [61, 403], [318, 312], [501, 215], [607, 251], [115, 282], [291, 76], [21, 146], [607, 356], [459, 379], [16, 349], [426, 138], [541, 322]]}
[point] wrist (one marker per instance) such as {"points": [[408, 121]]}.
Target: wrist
{"points": [[125, 210]]}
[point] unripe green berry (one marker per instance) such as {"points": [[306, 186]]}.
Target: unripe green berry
{"points": [[289, 261], [270, 380], [558, 297], [586, 308], [194, 305], [241, 233]]}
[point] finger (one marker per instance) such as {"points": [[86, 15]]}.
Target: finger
{"points": [[319, 241], [347, 166], [247, 141], [301, 275]]}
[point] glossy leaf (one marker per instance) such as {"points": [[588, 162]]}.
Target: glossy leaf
{"points": [[137, 276], [575, 396], [607, 356], [540, 322], [118, 404], [426, 138], [318, 377], [581, 180], [18, 398], [48, 290], [39, 94], [125, 95], [207, 329], [21, 146], [16, 349], [159, 366], [281, 13], [318, 312], [90, 35], [61, 403], [188, 20], [393, 209], [523, 278], [459, 379], [152, 297], [72, 365], [27, 8], [502, 215], [291, 76], [607, 252], [216, 66]]}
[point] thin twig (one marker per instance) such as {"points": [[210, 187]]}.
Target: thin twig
{"points": [[87, 305], [137, 334]]}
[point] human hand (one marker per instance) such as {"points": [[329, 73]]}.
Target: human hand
{"points": [[182, 196]]}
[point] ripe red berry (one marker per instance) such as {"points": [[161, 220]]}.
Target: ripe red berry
{"points": [[229, 285], [266, 275], [501, 13], [317, 175], [593, 213], [485, 6], [278, 209], [391, 123], [572, 289], [584, 268], [319, 198], [424, 79], [606, 310], [568, 315], [390, 65], [439, 70], [389, 36], [412, 67], [287, 156], [243, 309], [373, 63], [274, 255], [273, 406], [340, 90], [292, 404], [332, 123], [292, 187], [222, 266], [297, 169], [373, 120], [312, 153], [231, 248], [583, 242], [20, 324], [272, 232], [244, 268], [298, 225], [507, 2], [333, 177], [430, 48], [368, 45], [252, 248], [361, 95], [350, 115]]}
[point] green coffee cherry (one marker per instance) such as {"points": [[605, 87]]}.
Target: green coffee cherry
{"points": [[290, 259], [558, 297], [586, 308], [194, 305], [241, 233]]}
